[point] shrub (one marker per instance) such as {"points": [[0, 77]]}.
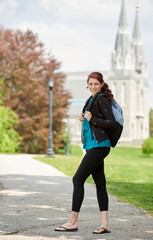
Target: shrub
{"points": [[9, 138], [147, 147]]}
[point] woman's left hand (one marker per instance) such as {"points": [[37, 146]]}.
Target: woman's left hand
{"points": [[88, 115]]}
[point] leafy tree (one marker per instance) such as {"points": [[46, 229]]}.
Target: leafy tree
{"points": [[147, 147], [151, 123], [25, 69], [9, 138]]}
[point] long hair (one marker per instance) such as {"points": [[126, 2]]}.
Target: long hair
{"points": [[105, 88]]}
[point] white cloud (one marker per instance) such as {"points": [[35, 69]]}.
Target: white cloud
{"points": [[88, 56], [71, 10], [48, 4], [8, 7], [77, 50], [42, 28], [146, 7]]}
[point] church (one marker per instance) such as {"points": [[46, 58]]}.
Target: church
{"points": [[128, 81]]}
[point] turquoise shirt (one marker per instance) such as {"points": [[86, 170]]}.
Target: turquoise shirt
{"points": [[88, 141]]}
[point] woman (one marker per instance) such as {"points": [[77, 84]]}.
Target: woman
{"points": [[97, 144]]}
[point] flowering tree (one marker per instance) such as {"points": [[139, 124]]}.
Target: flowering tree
{"points": [[25, 69]]}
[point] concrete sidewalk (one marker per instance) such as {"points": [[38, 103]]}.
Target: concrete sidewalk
{"points": [[36, 198]]}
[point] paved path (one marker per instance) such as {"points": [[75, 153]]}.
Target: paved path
{"points": [[36, 198]]}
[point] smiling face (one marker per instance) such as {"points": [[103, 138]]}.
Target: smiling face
{"points": [[94, 86]]}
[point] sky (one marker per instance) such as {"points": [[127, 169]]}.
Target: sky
{"points": [[80, 33]]}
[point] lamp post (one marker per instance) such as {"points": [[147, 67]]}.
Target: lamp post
{"points": [[67, 142], [50, 151]]}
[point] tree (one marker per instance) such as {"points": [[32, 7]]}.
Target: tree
{"points": [[10, 139], [25, 69], [151, 123]]}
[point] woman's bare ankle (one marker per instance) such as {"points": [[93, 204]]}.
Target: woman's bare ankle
{"points": [[70, 224], [73, 222], [105, 226]]}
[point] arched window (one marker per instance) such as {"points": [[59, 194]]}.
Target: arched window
{"points": [[123, 94], [141, 130], [133, 133]]}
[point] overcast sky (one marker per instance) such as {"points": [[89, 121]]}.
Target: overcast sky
{"points": [[80, 33]]}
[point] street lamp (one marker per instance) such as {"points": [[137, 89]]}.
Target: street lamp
{"points": [[67, 142], [50, 151]]}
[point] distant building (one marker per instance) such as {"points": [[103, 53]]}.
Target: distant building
{"points": [[128, 81]]}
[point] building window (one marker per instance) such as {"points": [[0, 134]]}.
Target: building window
{"points": [[114, 90], [132, 127], [123, 94], [141, 130]]}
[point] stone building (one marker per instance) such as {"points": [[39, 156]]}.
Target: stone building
{"points": [[128, 81]]}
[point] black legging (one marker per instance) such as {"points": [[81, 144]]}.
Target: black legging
{"points": [[92, 163]]}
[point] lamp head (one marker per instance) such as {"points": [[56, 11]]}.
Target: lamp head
{"points": [[67, 113], [50, 83]]}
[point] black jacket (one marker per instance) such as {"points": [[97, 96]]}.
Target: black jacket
{"points": [[102, 116]]}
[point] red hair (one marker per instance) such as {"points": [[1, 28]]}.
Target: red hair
{"points": [[105, 88]]}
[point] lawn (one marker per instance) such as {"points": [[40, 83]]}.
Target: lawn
{"points": [[129, 174]]}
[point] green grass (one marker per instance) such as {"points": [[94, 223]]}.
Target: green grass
{"points": [[129, 174], [130, 177], [76, 151]]}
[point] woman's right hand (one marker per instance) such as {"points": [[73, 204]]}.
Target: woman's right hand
{"points": [[81, 117]]}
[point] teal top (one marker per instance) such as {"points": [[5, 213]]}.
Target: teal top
{"points": [[88, 141]]}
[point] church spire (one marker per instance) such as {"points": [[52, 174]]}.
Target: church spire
{"points": [[136, 31], [123, 19], [137, 43], [121, 55]]}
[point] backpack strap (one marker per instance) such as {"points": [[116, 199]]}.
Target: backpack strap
{"points": [[86, 103], [89, 106]]}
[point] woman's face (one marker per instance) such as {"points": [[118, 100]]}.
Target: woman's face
{"points": [[94, 86]]}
